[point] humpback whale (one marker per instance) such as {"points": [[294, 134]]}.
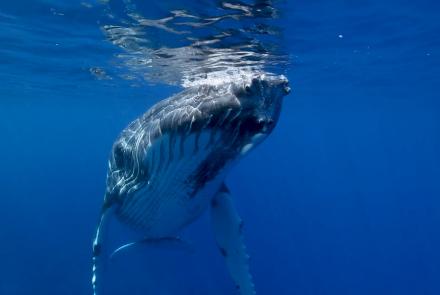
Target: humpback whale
{"points": [[168, 166]]}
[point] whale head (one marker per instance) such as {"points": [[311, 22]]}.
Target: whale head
{"points": [[261, 101]]}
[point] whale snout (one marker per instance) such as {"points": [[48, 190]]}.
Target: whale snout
{"points": [[280, 83], [269, 85]]}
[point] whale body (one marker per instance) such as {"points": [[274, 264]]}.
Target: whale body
{"points": [[168, 166]]}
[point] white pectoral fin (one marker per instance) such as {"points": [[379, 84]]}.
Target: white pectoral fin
{"points": [[227, 227], [173, 243], [98, 242]]}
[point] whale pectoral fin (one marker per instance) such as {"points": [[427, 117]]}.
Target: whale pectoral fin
{"points": [[227, 227], [174, 243], [98, 242]]}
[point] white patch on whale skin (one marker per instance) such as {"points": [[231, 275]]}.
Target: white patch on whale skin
{"points": [[257, 138], [254, 140], [246, 148]]}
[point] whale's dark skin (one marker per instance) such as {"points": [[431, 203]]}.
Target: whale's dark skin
{"points": [[169, 165]]}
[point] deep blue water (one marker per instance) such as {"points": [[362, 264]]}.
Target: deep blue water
{"points": [[343, 198]]}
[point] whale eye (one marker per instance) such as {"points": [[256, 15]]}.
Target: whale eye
{"points": [[259, 125], [270, 123], [248, 89], [253, 125]]}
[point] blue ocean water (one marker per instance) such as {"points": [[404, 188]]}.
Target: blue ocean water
{"points": [[343, 198]]}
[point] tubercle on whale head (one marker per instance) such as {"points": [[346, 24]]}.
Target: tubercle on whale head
{"points": [[264, 84], [261, 100]]}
